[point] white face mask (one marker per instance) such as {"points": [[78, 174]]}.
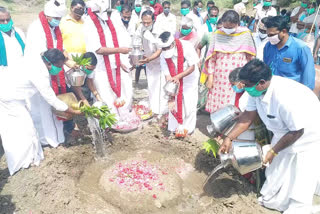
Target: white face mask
{"points": [[228, 31], [262, 35], [274, 39], [149, 28], [169, 53]]}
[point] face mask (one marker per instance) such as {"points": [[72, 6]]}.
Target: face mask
{"points": [[185, 11], [166, 11], [151, 2], [125, 21], [267, 4], [199, 9], [54, 69], [169, 53], [138, 9], [54, 22], [6, 27], [262, 35], [149, 28], [208, 8], [118, 8], [186, 32], [237, 90], [78, 11], [228, 31], [253, 92], [254, 4], [213, 20], [274, 39], [304, 5], [87, 71], [310, 11]]}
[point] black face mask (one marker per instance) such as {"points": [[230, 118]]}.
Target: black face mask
{"points": [[78, 11]]}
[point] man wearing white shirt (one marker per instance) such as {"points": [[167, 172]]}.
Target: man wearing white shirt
{"points": [[188, 76], [240, 8], [260, 38], [265, 11], [185, 11], [11, 41], [295, 16], [204, 14], [166, 21], [291, 111], [17, 86]]}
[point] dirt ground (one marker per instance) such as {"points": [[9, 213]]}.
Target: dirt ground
{"points": [[70, 178]]}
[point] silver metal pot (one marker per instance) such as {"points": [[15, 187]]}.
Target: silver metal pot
{"points": [[245, 156], [76, 77], [135, 56], [171, 88], [223, 120]]}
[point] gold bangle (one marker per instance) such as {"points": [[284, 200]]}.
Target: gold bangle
{"points": [[273, 152]]}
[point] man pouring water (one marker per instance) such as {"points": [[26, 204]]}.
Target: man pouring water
{"points": [[291, 111]]}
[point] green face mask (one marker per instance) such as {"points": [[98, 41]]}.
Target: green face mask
{"points": [[185, 11], [310, 11], [138, 9], [151, 2], [87, 71], [304, 5], [6, 27], [213, 20], [118, 8], [186, 32], [253, 92], [254, 4], [267, 4], [54, 69]]}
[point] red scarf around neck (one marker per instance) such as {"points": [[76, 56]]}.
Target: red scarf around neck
{"points": [[172, 70], [50, 44], [116, 88]]}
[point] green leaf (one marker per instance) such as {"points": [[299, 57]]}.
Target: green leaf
{"points": [[211, 146], [103, 113]]}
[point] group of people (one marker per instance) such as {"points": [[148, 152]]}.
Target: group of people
{"points": [[213, 58]]}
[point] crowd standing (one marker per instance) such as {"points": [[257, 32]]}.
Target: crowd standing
{"points": [[263, 63]]}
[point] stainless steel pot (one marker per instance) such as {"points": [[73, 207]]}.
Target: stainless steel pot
{"points": [[171, 88], [135, 56], [245, 156], [76, 77], [222, 120]]}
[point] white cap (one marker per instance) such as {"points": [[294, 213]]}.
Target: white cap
{"points": [[165, 44], [245, 1], [186, 21], [55, 8]]}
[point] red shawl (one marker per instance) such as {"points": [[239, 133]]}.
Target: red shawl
{"points": [[116, 88], [50, 44], [172, 70]]}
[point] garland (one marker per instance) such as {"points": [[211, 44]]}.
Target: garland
{"points": [[172, 70], [116, 88], [50, 45]]}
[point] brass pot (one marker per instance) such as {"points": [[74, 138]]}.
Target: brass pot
{"points": [[71, 100]]}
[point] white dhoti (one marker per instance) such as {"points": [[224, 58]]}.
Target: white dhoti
{"points": [[106, 93], [19, 137], [156, 81], [190, 100], [49, 128], [291, 182]]}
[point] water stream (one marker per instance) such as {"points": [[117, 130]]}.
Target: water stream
{"points": [[97, 135], [220, 166]]}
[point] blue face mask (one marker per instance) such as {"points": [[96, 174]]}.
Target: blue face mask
{"points": [[125, 21], [54, 22], [237, 90]]}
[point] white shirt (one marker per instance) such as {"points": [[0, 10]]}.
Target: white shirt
{"points": [[293, 28], [196, 23], [13, 48], [289, 106], [259, 45], [165, 23], [262, 13], [191, 58], [240, 8], [21, 84]]}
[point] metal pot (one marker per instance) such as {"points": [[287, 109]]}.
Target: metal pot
{"points": [[245, 156], [71, 100], [135, 56], [222, 120], [171, 88], [76, 77]]}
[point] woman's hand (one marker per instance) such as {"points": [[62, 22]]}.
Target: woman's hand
{"points": [[225, 146], [209, 82]]}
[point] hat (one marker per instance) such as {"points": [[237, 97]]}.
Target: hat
{"points": [[245, 1], [186, 21], [165, 44], [55, 8]]}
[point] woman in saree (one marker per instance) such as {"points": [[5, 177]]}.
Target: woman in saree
{"points": [[231, 47]]}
